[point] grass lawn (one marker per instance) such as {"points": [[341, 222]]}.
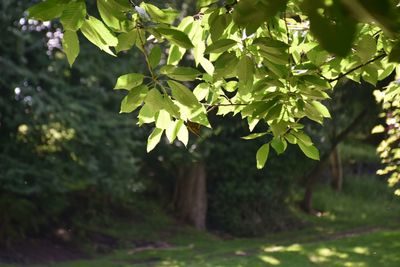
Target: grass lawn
{"points": [[360, 227], [381, 248]]}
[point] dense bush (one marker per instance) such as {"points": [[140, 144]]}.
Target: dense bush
{"points": [[65, 152], [245, 201]]}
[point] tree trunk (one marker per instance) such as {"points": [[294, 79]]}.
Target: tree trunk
{"points": [[190, 196], [311, 179], [336, 170]]}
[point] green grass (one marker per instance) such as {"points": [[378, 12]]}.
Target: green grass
{"points": [[360, 227], [367, 250], [364, 202]]}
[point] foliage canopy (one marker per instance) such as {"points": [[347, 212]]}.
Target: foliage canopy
{"points": [[271, 62]]}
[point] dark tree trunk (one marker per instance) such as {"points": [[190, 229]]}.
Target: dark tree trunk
{"points": [[190, 196], [336, 170], [311, 179]]}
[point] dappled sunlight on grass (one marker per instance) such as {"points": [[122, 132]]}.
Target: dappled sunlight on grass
{"points": [[351, 233], [322, 255], [361, 250], [366, 250], [270, 260]]}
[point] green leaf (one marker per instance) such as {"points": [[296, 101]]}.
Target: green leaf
{"points": [[274, 113], [245, 71], [70, 43], [170, 106], [370, 74], [321, 109], [331, 25], [97, 33], [220, 46], [278, 145], [251, 14], [183, 133], [154, 139], [163, 119], [155, 100], [200, 117], [262, 156], [225, 66], [218, 24], [281, 59], [305, 139], [126, 40], [175, 54], [203, 3], [129, 81], [254, 136], [183, 95], [291, 138], [73, 15], [383, 12], [280, 128], [47, 10], [316, 81], [173, 129], [394, 55], [207, 66], [106, 35], [134, 99], [309, 150], [113, 15], [176, 37], [271, 46], [312, 113], [201, 91], [155, 56], [157, 14], [378, 129], [180, 73], [366, 48], [146, 114], [279, 70], [190, 108], [231, 86]]}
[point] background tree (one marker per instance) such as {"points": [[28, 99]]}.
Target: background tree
{"points": [[57, 128]]}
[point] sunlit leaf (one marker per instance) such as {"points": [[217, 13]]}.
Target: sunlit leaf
{"points": [[176, 37], [47, 10], [310, 151], [70, 43], [73, 15], [129, 81], [154, 139], [155, 56], [220, 46], [262, 156]]}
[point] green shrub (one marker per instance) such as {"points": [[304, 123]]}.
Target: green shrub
{"points": [[244, 201]]}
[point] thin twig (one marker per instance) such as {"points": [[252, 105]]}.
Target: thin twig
{"points": [[153, 76], [146, 56], [226, 105], [288, 49], [354, 69]]}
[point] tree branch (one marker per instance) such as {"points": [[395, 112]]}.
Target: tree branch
{"points": [[356, 68]]}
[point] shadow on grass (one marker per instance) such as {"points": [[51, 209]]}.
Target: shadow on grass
{"points": [[367, 250]]}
